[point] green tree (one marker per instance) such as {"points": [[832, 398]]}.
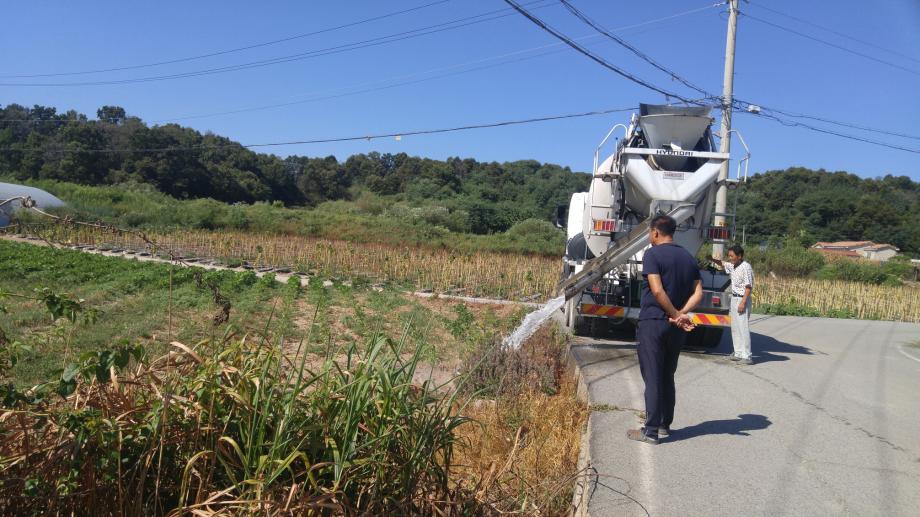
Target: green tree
{"points": [[111, 114]]}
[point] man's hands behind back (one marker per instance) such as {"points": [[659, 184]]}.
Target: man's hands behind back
{"points": [[683, 322]]}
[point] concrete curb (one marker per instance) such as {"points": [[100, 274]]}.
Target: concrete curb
{"points": [[586, 482]]}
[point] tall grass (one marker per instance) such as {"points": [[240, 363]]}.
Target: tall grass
{"points": [[235, 427], [529, 433]]}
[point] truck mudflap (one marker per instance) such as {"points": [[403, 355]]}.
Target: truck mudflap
{"points": [[614, 311]]}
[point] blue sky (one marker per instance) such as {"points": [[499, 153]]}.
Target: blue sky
{"points": [[773, 68]]}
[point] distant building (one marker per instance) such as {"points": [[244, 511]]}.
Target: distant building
{"points": [[10, 190], [858, 249]]}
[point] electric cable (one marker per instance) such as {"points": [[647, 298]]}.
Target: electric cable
{"points": [[230, 51], [832, 31], [828, 43], [601, 61], [398, 134], [574, 45], [372, 42], [645, 57], [739, 106], [793, 123], [336, 93]]}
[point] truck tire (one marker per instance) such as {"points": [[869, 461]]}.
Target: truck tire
{"points": [[623, 330]]}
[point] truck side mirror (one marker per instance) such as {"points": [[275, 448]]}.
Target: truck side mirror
{"points": [[561, 218]]}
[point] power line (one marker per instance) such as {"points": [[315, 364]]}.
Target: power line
{"points": [[661, 67], [390, 86], [329, 140], [574, 45], [580, 15], [345, 93], [739, 106], [832, 31], [440, 69], [334, 95], [362, 91], [830, 44], [372, 42], [789, 123], [601, 61], [645, 57], [567, 41], [232, 50]]}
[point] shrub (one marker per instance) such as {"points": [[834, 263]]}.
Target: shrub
{"points": [[856, 271], [792, 308], [899, 267], [786, 261], [536, 235]]}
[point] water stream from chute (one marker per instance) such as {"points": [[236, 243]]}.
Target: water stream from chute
{"points": [[531, 323]]}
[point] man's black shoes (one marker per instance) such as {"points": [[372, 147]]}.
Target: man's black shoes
{"points": [[640, 436]]}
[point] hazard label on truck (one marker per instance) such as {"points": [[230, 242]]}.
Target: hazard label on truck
{"points": [[602, 310], [713, 320]]}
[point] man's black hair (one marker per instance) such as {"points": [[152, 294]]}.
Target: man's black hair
{"points": [[737, 250], [664, 224]]}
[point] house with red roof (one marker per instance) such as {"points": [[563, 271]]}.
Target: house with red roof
{"points": [[857, 249]]}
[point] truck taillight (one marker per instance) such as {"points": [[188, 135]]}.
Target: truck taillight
{"points": [[605, 225], [717, 300], [719, 233]]}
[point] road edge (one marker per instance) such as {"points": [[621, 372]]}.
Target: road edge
{"points": [[586, 479]]}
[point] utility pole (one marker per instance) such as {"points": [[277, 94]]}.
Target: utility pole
{"points": [[728, 80]]}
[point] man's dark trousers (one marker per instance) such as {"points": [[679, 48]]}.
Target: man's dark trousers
{"points": [[659, 349]]}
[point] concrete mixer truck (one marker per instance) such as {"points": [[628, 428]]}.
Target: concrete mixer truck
{"points": [[665, 163]]}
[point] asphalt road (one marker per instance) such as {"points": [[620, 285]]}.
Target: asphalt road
{"points": [[826, 422]]}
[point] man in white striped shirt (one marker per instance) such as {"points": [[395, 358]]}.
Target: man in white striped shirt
{"points": [[742, 284]]}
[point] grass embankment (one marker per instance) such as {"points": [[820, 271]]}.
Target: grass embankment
{"points": [[369, 218], [297, 404]]}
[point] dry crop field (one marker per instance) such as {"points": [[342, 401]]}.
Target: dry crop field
{"points": [[489, 274], [500, 275], [836, 298]]}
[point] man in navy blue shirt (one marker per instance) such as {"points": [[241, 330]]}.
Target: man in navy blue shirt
{"points": [[672, 280]]}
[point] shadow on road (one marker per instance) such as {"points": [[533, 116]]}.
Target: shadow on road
{"points": [[735, 426], [764, 348]]}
